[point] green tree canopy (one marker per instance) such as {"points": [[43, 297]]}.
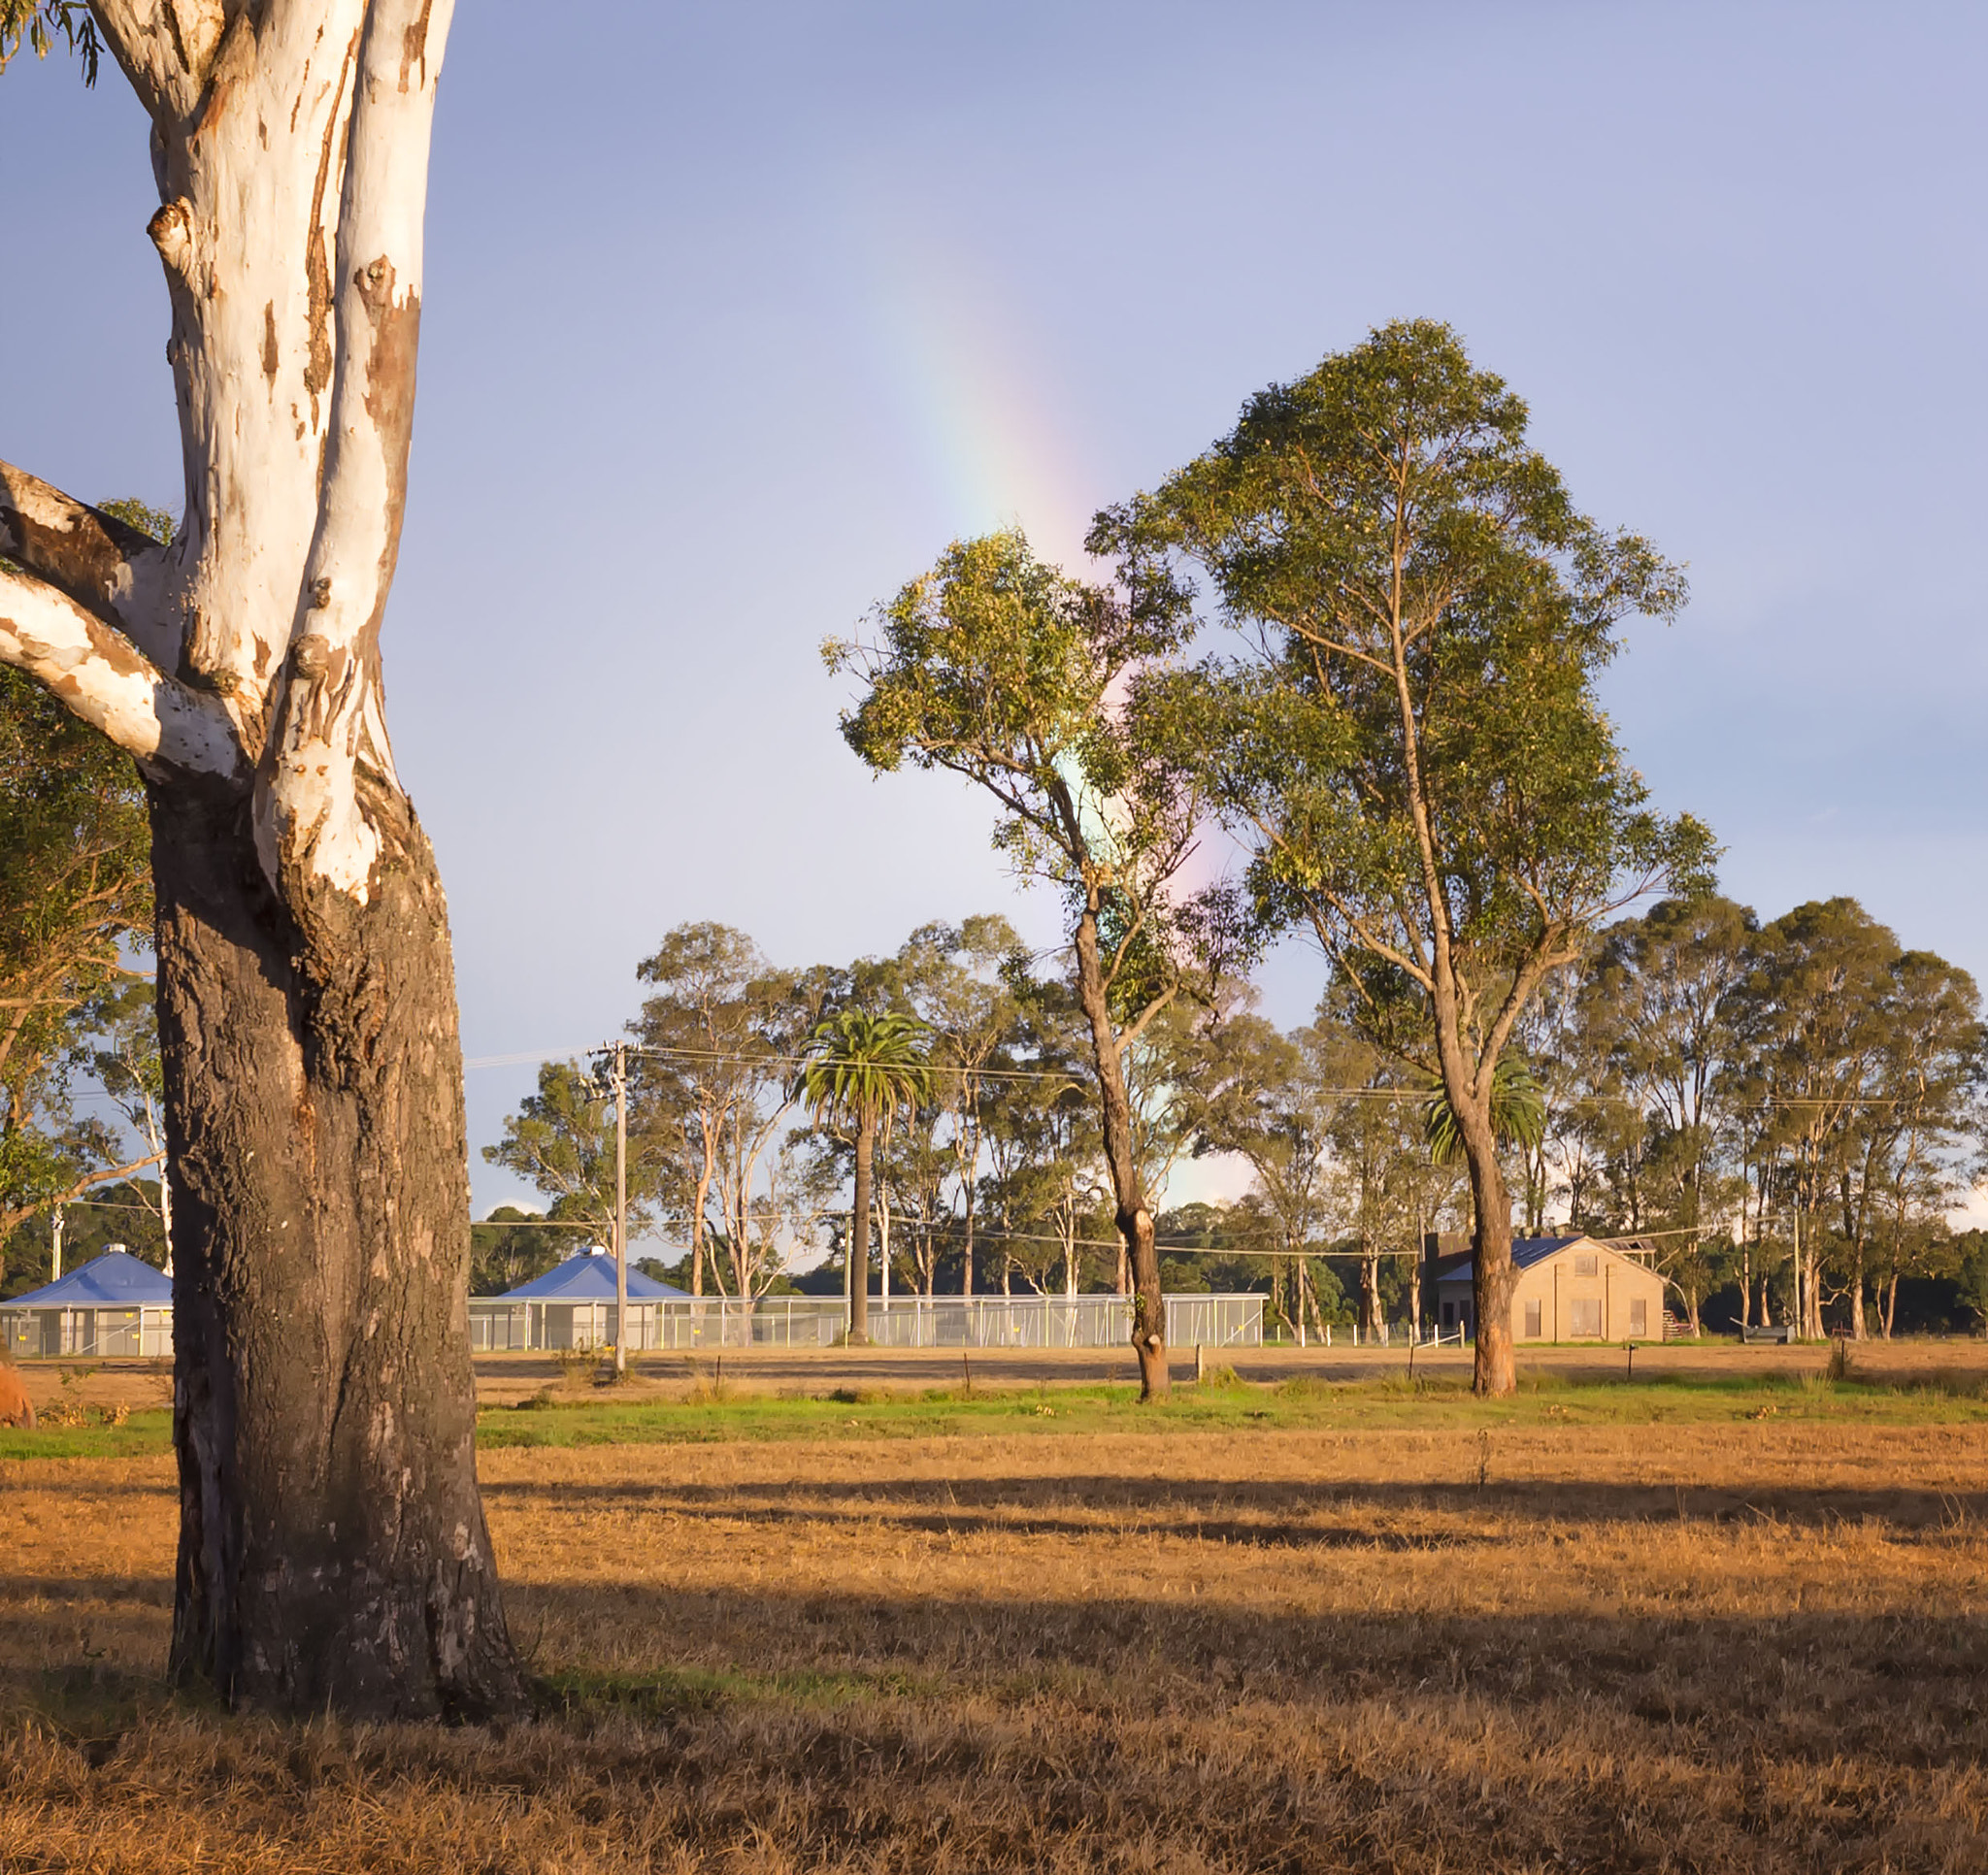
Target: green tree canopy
{"points": [[1411, 744], [75, 902], [1002, 670]]}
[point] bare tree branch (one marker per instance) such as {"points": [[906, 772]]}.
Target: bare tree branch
{"points": [[102, 677], [99, 561]]}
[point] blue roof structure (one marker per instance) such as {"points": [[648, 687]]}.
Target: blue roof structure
{"points": [[588, 1279], [117, 1279]]}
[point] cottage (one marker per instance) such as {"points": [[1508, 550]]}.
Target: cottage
{"points": [[572, 1306], [1569, 1289], [112, 1304]]}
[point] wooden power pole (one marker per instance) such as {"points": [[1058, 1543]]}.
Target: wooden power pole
{"points": [[620, 1210]]}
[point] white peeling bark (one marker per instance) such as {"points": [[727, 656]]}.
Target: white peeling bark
{"points": [[118, 573], [332, 725], [101, 676]]}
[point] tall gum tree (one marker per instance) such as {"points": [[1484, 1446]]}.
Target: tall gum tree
{"points": [[332, 1543], [1000, 668], [1412, 745]]}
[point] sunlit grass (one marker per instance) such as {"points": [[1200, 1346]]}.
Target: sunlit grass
{"points": [[585, 1415]]}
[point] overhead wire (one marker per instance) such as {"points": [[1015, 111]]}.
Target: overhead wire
{"points": [[1079, 1078]]}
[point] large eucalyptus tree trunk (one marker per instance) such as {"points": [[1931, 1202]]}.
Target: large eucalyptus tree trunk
{"points": [[332, 1550], [1494, 1279]]}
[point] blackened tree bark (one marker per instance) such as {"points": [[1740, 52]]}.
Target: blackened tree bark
{"points": [[333, 1550]]}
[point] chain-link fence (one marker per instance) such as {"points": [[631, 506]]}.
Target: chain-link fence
{"points": [[498, 1326]]}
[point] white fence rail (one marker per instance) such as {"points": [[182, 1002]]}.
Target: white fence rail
{"points": [[902, 1322]]}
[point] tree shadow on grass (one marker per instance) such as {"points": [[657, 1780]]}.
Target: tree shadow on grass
{"points": [[872, 1730], [1262, 1511]]}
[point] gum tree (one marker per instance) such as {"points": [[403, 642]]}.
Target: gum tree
{"points": [[999, 669], [1412, 745], [332, 1545]]}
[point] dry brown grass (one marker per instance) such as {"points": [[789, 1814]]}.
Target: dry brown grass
{"points": [[1694, 1647]]}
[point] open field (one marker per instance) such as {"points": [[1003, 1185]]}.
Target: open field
{"points": [[1310, 1625]]}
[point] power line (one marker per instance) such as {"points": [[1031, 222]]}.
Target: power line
{"points": [[1081, 1077]]}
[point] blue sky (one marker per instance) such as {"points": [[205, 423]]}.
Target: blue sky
{"points": [[736, 316]]}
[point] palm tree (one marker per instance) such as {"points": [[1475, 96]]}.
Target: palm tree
{"points": [[863, 1068], [1518, 1112]]}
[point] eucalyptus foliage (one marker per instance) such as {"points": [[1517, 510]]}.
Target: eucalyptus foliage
{"points": [[1409, 740]]}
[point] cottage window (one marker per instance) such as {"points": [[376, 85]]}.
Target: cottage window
{"points": [[1533, 1313], [1639, 1317], [1585, 1314], [1587, 1265]]}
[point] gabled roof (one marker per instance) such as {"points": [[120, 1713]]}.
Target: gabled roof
{"points": [[1525, 1252], [588, 1279], [117, 1279]]}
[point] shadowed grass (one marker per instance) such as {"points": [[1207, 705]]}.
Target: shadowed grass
{"points": [[1434, 1642]]}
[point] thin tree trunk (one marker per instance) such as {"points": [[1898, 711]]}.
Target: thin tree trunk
{"points": [[884, 1239], [1745, 1258], [859, 1238], [966, 1285], [1121, 1157], [706, 1174]]}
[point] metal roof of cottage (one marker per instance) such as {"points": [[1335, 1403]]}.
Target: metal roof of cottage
{"points": [[588, 1279], [1525, 1252], [117, 1279]]}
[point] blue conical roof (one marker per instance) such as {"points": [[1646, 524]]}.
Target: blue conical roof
{"points": [[588, 1279], [117, 1279]]}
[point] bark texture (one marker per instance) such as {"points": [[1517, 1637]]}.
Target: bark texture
{"points": [[332, 1543], [333, 1551]]}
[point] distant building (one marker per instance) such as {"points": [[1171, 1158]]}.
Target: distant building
{"points": [[112, 1304], [572, 1306], [1569, 1289]]}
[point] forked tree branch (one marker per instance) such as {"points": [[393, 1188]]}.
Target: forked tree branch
{"points": [[102, 563], [103, 679]]}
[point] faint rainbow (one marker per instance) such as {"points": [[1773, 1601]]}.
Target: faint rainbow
{"points": [[978, 404]]}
